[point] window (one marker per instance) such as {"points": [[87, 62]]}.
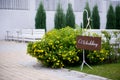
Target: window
{"points": [[64, 4], [115, 3], [51, 5], [14, 4], [79, 5]]}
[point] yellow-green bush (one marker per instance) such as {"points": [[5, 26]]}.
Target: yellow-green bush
{"points": [[106, 54], [96, 57], [58, 49]]}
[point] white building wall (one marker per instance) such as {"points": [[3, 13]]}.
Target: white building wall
{"points": [[19, 19], [103, 14], [12, 19], [16, 19], [50, 20]]}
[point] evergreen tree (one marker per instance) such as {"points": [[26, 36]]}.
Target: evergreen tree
{"points": [[111, 20], [70, 17], [81, 25], [40, 19], [117, 12], [59, 19], [95, 18], [85, 15]]}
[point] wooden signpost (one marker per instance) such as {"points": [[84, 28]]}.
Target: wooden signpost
{"points": [[88, 43]]}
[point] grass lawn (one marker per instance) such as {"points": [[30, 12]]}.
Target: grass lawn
{"points": [[111, 71]]}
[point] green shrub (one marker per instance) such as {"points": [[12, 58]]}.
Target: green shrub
{"points": [[95, 18], [40, 19], [70, 17], [106, 54], [96, 57], [58, 49], [111, 18], [117, 12], [119, 50], [85, 15], [59, 19]]}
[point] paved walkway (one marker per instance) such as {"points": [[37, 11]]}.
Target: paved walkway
{"points": [[15, 64]]}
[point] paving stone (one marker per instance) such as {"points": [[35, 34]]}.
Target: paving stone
{"points": [[15, 64]]}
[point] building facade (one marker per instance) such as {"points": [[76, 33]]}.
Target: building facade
{"points": [[20, 14]]}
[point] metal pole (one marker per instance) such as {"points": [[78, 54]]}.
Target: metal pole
{"points": [[86, 12], [84, 62]]}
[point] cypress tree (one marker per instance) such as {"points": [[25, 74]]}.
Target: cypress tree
{"points": [[95, 18], [70, 17], [81, 25], [85, 15], [59, 20], [111, 20], [117, 12], [40, 19]]}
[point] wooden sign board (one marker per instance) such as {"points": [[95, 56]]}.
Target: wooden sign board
{"points": [[88, 42]]}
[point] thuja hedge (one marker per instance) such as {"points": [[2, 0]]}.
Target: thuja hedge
{"points": [[58, 49]]}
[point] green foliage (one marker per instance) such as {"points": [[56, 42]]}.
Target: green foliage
{"points": [[85, 15], [119, 50], [117, 12], [70, 17], [108, 47], [59, 20], [30, 49], [107, 36], [111, 19], [40, 19], [106, 54], [57, 48], [95, 18], [97, 57], [81, 25]]}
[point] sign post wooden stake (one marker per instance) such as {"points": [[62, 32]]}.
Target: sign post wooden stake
{"points": [[88, 42]]}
